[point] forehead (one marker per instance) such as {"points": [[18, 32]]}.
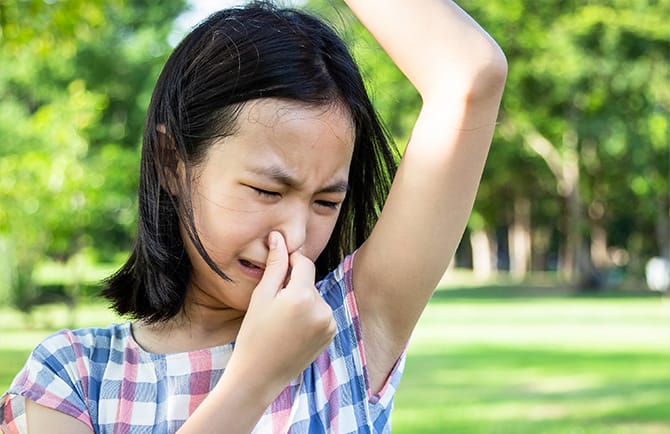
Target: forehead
{"points": [[279, 117], [312, 143]]}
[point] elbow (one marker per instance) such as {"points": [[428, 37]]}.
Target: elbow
{"points": [[489, 77], [478, 79]]}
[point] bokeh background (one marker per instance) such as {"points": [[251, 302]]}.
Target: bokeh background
{"points": [[545, 322]]}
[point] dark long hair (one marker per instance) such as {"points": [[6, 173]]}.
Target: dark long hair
{"points": [[234, 56]]}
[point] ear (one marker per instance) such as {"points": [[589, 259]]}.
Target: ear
{"points": [[171, 170]]}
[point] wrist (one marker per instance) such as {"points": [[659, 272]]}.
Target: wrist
{"points": [[252, 383]]}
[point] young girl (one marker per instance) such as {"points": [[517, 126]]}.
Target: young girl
{"points": [[263, 166]]}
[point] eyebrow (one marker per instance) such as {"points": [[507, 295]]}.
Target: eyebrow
{"points": [[282, 176]]}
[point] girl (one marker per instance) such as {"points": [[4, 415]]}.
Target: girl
{"points": [[263, 165]]}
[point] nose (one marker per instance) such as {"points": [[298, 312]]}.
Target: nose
{"points": [[293, 226]]}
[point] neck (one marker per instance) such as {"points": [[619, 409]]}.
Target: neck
{"points": [[197, 328]]}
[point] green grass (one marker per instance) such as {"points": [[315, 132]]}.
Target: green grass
{"points": [[530, 360], [497, 359], [18, 336]]}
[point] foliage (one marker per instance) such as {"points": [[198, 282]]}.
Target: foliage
{"points": [[388, 87], [583, 130], [584, 123], [72, 107], [587, 94]]}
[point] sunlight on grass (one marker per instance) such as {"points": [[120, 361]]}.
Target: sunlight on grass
{"points": [[620, 324], [19, 332], [53, 316], [538, 365]]}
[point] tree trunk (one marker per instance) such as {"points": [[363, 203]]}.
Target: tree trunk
{"points": [[8, 269], [540, 249], [569, 188], [564, 164], [599, 256], [573, 237], [663, 227], [519, 239], [482, 253]]}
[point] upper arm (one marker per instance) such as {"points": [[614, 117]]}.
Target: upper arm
{"points": [[42, 419], [52, 378], [423, 219], [459, 72]]}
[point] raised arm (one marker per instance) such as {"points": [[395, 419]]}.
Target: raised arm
{"points": [[459, 71]]}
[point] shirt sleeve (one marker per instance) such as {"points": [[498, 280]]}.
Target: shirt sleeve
{"points": [[55, 377], [338, 291]]}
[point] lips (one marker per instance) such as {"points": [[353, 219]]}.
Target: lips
{"points": [[252, 265]]}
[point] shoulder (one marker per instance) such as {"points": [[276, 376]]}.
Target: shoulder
{"points": [[70, 356], [68, 345], [61, 372], [337, 290], [350, 342], [337, 285]]}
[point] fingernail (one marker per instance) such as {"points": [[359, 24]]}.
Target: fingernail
{"points": [[272, 240]]}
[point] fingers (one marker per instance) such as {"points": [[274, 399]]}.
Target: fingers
{"points": [[276, 266], [302, 270], [282, 270]]}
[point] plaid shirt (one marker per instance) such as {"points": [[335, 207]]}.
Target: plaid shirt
{"points": [[103, 378]]}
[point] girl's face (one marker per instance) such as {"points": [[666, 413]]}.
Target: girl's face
{"points": [[285, 169]]}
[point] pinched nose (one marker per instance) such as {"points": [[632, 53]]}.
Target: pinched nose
{"points": [[293, 227], [295, 237]]}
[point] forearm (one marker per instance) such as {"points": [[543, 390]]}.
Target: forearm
{"points": [[436, 45]]}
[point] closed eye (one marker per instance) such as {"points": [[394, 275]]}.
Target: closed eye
{"points": [[265, 193], [328, 204]]}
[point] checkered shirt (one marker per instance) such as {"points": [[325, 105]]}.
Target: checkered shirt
{"points": [[103, 378]]}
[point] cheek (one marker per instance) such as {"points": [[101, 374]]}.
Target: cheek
{"points": [[319, 235], [226, 231], [226, 228]]}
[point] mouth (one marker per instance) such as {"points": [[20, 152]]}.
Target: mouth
{"points": [[251, 265]]}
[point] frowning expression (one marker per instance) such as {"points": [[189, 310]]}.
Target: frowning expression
{"points": [[285, 168]]}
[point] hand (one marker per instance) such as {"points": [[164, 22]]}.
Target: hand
{"points": [[285, 327]]}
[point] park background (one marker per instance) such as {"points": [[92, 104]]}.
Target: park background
{"points": [[543, 324]]}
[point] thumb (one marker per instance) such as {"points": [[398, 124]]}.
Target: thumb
{"points": [[276, 266]]}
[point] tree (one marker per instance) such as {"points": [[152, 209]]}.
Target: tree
{"points": [[72, 107], [588, 95], [583, 131]]}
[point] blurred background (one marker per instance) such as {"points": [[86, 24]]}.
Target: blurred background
{"points": [[552, 317]]}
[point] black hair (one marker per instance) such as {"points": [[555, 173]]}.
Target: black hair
{"points": [[235, 56]]}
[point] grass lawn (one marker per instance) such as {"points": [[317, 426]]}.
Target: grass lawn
{"points": [[506, 360], [497, 360]]}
